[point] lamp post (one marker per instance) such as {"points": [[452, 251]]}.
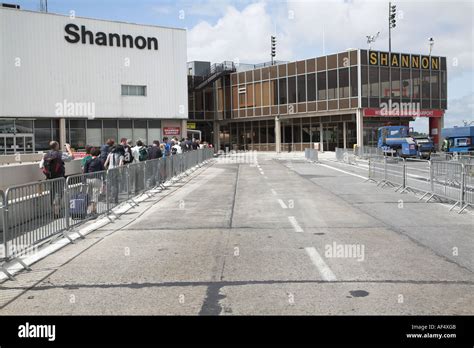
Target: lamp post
{"points": [[273, 47], [392, 23]]}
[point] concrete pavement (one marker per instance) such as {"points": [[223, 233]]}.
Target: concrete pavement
{"points": [[280, 236]]}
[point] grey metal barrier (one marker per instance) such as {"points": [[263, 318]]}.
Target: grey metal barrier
{"points": [[34, 213], [311, 154], [345, 155], [87, 197], [417, 175], [377, 169], [468, 186], [446, 181]]}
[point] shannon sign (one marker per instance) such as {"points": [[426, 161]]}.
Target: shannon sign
{"points": [[400, 60], [76, 34]]}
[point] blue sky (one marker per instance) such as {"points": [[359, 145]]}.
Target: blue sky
{"points": [[239, 30]]}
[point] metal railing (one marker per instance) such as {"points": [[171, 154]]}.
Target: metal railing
{"points": [[35, 213], [448, 180], [311, 154], [345, 155]]}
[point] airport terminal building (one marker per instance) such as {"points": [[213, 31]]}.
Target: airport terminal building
{"points": [[83, 80], [336, 100]]}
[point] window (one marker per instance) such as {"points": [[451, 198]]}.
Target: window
{"points": [[344, 83], [42, 134], [322, 85], [395, 82], [258, 94], [332, 84], [301, 88], [406, 84], [311, 87], [425, 85], [282, 91], [274, 92], [131, 90], [416, 83], [374, 81], [434, 85], [443, 85], [250, 97], [292, 90], [266, 93], [364, 81], [384, 82], [354, 82], [109, 130]]}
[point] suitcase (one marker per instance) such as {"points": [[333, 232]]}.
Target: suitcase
{"points": [[78, 205]]}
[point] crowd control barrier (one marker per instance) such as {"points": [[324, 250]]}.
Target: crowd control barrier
{"points": [[36, 213]]}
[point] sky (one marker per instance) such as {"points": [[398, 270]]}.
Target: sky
{"points": [[240, 30]]}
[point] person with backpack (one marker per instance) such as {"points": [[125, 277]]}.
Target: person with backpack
{"points": [[176, 149], [114, 160], [128, 156], [105, 149], [53, 167], [154, 152], [94, 182], [140, 152]]}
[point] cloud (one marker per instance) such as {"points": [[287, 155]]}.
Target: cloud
{"points": [[459, 110], [242, 35]]}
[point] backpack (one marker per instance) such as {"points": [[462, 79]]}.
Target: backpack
{"points": [[174, 150], [127, 157], [94, 165], [143, 154], [104, 152], [53, 165]]}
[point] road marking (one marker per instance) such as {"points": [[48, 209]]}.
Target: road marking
{"points": [[343, 171], [294, 223], [282, 204], [266, 177], [322, 267], [273, 192]]}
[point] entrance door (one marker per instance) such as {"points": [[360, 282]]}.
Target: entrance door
{"points": [[331, 138]]}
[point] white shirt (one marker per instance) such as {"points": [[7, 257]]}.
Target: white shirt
{"points": [[136, 154], [178, 148]]}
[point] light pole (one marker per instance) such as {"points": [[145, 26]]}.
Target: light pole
{"points": [[431, 42], [392, 23], [273, 47]]}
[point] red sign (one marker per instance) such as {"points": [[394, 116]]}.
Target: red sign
{"points": [[373, 112], [171, 130]]}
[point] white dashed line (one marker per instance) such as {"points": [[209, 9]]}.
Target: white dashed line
{"points": [[282, 204], [343, 171], [273, 192], [293, 222], [322, 267]]}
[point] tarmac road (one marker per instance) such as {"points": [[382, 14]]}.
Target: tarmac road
{"points": [[283, 236]]}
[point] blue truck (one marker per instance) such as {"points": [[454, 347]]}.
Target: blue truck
{"points": [[398, 141], [458, 139]]}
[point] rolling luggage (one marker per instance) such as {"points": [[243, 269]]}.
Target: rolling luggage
{"points": [[78, 205]]}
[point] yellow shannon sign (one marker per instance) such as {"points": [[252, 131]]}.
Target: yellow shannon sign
{"points": [[400, 60]]}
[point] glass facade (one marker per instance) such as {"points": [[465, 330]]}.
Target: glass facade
{"points": [[321, 86]]}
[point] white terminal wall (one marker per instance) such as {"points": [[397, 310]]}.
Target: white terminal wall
{"points": [[39, 68]]}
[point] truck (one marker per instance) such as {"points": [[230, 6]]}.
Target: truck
{"points": [[458, 139], [399, 141]]}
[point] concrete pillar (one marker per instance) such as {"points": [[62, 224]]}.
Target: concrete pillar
{"points": [[62, 133], [344, 134], [321, 137], [360, 128], [435, 126], [277, 134], [216, 141], [184, 128]]}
